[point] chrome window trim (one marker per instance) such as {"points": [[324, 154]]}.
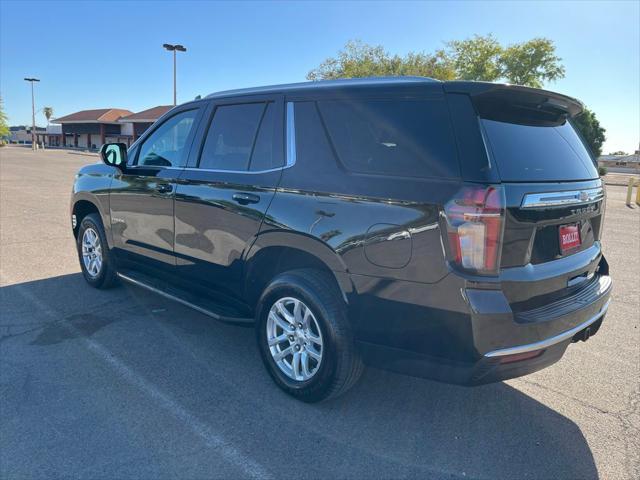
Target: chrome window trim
{"points": [[291, 135], [152, 167], [561, 337], [556, 199], [196, 169]]}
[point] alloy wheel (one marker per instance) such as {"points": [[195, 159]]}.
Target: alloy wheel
{"points": [[294, 338], [91, 252]]}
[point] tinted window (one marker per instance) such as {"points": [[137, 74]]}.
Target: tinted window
{"points": [[165, 147], [263, 157], [538, 153], [313, 150], [231, 136], [392, 137]]}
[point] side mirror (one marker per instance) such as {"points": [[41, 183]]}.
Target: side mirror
{"points": [[114, 155]]}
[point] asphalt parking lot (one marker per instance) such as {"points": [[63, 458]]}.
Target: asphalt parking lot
{"points": [[124, 384]]}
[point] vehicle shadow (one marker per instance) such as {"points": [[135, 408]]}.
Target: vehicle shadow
{"points": [[490, 431], [388, 425]]}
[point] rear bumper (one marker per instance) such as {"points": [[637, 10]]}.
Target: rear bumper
{"points": [[508, 344], [554, 340], [486, 370]]}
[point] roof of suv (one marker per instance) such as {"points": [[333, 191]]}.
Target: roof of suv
{"points": [[485, 90], [327, 84]]}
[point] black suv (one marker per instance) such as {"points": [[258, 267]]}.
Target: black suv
{"points": [[449, 230]]}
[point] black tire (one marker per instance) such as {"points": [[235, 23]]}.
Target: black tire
{"points": [[106, 277], [341, 365]]}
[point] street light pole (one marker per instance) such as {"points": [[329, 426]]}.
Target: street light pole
{"points": [[174, 49], [33, 113], [175, 102]]}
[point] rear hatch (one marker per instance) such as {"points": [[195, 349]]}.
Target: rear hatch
{"points": [[554, 198]]}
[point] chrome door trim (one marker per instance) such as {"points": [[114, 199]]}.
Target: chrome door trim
{"points": [[561, 199]]}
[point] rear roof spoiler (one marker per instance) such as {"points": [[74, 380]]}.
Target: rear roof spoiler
{"points": [[485, 91]]}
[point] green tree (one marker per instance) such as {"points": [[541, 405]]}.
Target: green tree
{"points": [[4, 125], [48, 113], [592, 132], [437, 65], [619, 152], [531, 63], [358, 59], [476, 58]]}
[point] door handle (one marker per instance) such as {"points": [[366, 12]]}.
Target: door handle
{"points": [[245, 198], [164, 188]]}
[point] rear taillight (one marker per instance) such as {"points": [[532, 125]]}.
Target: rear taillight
{"points": [[475, 223]]}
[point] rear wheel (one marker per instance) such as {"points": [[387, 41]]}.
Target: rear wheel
{"points": [[305, 338], [95, 259]]}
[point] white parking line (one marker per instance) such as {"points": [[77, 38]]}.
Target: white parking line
{"points": [[211, 438]]}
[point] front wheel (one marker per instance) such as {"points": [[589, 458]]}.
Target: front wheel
{"points": [[95, 259], [305, 338]]}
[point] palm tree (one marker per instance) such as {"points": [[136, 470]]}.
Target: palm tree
{"points": [[48, 112]]}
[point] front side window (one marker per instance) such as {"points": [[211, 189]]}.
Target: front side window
{"points": [[165, 147]]}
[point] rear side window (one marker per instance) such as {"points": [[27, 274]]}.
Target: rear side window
{"points": [[240, 138], [410, 138], [263, 157], [538, 152]]}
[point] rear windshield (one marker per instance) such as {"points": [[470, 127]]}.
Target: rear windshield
{"points": [[409, 138], [537, 152]]}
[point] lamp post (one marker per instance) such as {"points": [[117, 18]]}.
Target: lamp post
{"points": [[174, 49], [33, 113]]}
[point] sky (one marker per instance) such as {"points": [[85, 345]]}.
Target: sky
{"points": [[109, 54]]}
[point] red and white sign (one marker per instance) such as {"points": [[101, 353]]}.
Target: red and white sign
{"points": [[569, 237]]}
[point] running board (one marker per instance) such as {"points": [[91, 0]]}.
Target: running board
{"points": [[202, 305]]}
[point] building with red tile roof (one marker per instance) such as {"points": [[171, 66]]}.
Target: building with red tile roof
{"points": [[92, 128]]}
